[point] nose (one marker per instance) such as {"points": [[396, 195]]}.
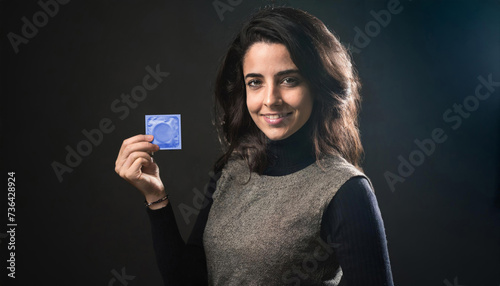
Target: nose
{"points": [[272, 96]]}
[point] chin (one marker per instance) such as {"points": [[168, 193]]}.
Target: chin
{"points": [[277, 135]]}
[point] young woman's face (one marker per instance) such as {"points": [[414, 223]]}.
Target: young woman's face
{"points": [[278, 97]]}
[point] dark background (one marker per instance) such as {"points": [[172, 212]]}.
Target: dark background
{"points": [[442, 222]]}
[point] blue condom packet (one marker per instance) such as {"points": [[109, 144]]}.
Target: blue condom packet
{"points": [[166, 130]]}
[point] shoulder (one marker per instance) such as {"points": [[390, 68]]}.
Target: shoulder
{"points": [[355, 188], [354, 199], [353, 203], [335, 163], [338, 171]]}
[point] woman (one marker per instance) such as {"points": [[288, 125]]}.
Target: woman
{"points": [[289, 203]]}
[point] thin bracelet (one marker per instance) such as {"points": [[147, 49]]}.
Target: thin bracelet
{"points": [[158, 201]]}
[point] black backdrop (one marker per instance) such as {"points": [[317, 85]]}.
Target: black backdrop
{"points": [[69, 73]]}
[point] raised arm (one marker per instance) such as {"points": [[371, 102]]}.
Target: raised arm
{"points": [[179, 263], [135, 164]]}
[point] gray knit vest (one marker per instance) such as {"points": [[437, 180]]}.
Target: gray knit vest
{"points": [[267, 231]]}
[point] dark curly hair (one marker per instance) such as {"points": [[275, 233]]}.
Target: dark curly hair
{"points": [[323, 62]]}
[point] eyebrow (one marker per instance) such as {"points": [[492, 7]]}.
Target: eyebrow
{"points": [[281, 73]]}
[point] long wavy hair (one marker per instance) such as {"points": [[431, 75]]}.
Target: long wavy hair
{"points": [[321, 59]]}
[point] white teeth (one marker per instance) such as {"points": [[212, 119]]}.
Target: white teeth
{"points": [[274, 116]]}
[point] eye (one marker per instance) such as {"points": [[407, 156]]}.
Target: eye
{"points": [[254, 83], [290, 81]]}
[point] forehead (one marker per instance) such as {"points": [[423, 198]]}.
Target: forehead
{"points": [[267, 57]]}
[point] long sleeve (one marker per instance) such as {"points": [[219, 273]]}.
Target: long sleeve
{"points": [[167, 242], [352, 224], [180, 263]]}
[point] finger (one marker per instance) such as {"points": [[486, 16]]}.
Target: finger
{"points": [[131, 159], [139, 146], [128, 163], [135, 139], [135, 171]]}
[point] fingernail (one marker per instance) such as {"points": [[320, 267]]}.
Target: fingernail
{"points": [[150, 137]]}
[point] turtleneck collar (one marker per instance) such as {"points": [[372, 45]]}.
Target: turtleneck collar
{"points": [[290, 154]]}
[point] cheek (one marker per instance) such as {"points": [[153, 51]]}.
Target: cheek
{"points": [[302, 102], [252, 104], [309, 102]]}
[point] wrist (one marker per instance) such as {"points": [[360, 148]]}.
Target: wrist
{"points": [[157, 200], [153, 197], [159, 205]]}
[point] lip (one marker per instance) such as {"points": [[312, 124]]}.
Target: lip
{"points": [[276, 118]]}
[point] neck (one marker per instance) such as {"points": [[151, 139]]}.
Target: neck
{"points": [[290, 154]]}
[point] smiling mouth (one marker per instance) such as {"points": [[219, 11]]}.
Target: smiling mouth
{"points": [[276, 116]]}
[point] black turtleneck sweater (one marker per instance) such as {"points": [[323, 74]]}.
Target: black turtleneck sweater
{"points": [[352, 225]]}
